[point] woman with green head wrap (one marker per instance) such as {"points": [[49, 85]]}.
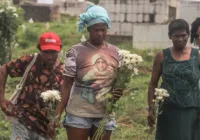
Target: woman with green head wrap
{"points": [[89, 71]]}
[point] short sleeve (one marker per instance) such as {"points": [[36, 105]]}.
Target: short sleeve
{"points": [[70, 63], [16, 68]]}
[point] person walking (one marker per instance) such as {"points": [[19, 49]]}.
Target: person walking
{"points": [[45, 74]]}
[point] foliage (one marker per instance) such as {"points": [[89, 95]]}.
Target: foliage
{"points": [[9, 23]]}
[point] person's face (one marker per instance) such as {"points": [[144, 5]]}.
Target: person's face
{"points": [[98, 33], [49, 57], [179, 38], [101, 65], [197, 37]]}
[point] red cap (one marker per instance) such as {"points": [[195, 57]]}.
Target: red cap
{"points": [[49, 41]]}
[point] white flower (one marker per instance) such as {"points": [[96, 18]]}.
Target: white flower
{"points": [[156, 93], [123, 53], [11, 8], [51, 95], [16, 45], [83, 39], [165, 94], [130, 67], [158, 90], [2, 10], [135, 71], [47, 25], [120, 64], [140, 58], [164, 90], [133, 61], [159, 97], [126, 61], [30, 20], [161, 94], [23, 27], [126, 57], [15, 15]]}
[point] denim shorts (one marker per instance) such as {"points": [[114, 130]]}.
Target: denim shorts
{"points": [[83, 122]]}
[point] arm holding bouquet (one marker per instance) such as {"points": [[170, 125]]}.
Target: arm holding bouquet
{"points": [[156, 72], [65, 93], [5, 104], [117, 93]]}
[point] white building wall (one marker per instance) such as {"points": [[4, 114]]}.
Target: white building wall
{"points": [[135, 14], [125, 13], [189, 10], [150, 36]]}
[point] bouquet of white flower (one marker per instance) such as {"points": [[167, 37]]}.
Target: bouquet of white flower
{"points": [[51, 99], [127, 68], [160, 95]]}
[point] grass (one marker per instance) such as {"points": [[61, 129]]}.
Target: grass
{"points": [[131, 113]]}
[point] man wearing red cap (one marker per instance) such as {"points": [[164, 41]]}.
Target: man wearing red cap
{"points": [[45, 74]]}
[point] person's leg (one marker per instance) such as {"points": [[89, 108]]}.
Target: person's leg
{"points": [[78, 128], [35, 136], [39, 137], [108, 128], [19, 132], [106, 135], [77, 133]]}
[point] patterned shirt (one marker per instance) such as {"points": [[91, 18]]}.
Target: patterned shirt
{"points": [[29, 107], [94, 70]]}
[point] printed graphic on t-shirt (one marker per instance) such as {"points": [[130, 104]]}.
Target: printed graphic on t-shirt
{"points": [[99, 76]]}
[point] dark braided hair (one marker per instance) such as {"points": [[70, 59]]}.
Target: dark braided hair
{"points": [[178, 24], [195, 26]]}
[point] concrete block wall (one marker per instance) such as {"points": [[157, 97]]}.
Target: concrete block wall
{"points": [[37, 12], [137, 11], [151, 36], [192, 7], [72, 7], [129, 10]]}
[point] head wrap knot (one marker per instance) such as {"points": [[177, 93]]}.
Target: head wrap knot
{"points": [[94, 14]]}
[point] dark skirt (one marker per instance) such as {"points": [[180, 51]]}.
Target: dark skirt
{"points": [[176, 123]]}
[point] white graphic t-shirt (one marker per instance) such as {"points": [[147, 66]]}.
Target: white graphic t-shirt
{"points": [[94, 71]]}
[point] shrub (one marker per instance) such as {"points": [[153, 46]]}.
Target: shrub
{"points": [[9, 23]]}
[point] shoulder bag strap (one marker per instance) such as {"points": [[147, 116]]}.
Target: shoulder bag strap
{"points": [[23, 79]]}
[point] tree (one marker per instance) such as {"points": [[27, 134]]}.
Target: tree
{"points": [[9, 24]]}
